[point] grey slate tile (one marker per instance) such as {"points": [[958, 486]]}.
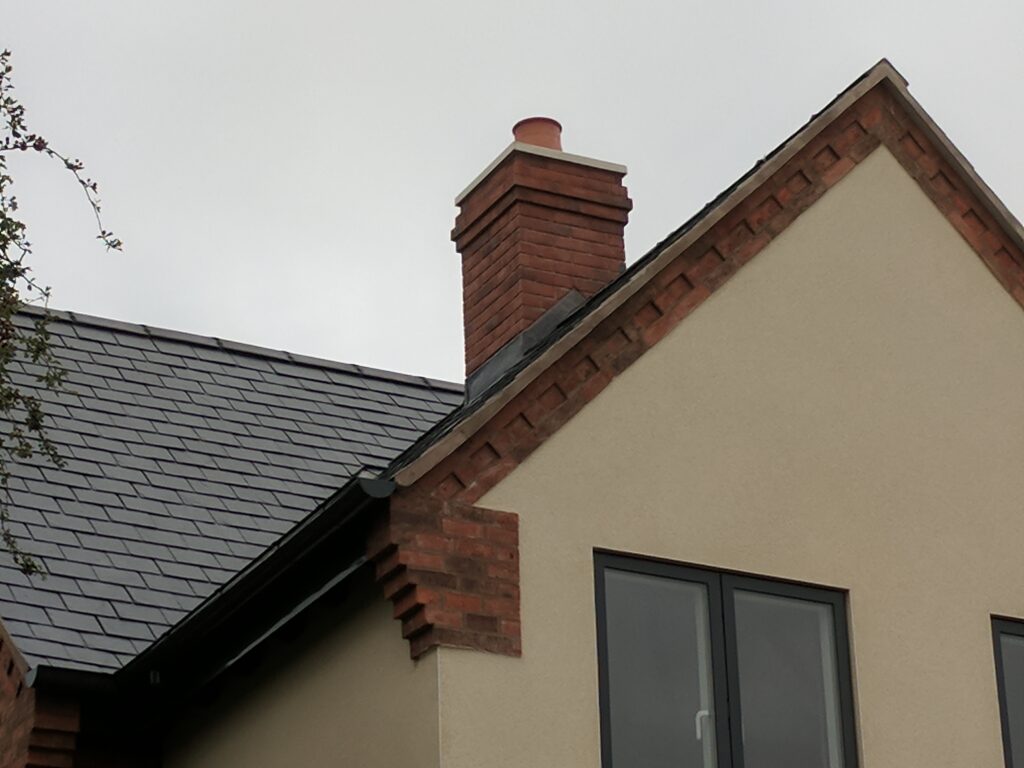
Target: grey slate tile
{"points": [[23, 612], [194, 557], [102, 589], [65, 585], [89, 496], [92, 657], [183, 571], [116, 576], [136, 564], [70, 568], [33, 647], [88, 605], [152, 551], [57, 634], [205, 544], [121, 628], [156, 493], [118, 645], [36, 597], [70, 522], [137, 461], [142, 613], [160, 600], [170, 482], [175, 586], [70, 620], [53, 535]]}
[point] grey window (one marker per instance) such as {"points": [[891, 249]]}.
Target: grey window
{"points": [[1009, 648], [701, 669]]}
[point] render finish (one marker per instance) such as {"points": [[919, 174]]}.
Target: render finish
{"points": [[843, 412], [346, 693]]}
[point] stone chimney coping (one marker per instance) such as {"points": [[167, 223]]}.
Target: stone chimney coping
{"points": [[554, 154]]}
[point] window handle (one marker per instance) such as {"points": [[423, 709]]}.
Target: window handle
{"points": [[697, 720]]}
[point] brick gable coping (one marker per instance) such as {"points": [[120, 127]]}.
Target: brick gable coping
{"points": [[450, 568]]}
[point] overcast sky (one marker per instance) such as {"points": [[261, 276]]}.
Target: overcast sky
{"points": [[283, 173]]}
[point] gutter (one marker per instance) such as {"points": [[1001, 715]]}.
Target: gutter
{"points": [[314, 559], [73, 681]]}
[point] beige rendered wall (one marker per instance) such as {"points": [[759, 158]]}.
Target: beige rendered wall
{"points": [[347, 694], [847, 411]]}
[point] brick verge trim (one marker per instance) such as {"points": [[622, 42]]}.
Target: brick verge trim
{"points": [[557, 394], [564, 388]]}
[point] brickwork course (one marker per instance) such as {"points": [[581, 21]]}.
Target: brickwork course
{"points": [[531, 231]]}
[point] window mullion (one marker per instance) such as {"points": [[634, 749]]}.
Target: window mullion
{"points": [[723, 715], [730, 666]]}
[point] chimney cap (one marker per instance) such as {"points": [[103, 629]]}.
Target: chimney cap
{"points": [[539, 131]]}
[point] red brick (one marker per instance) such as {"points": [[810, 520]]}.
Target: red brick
{"points": [[562, 220]]}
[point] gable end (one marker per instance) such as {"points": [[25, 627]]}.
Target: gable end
{"points": [[550, 400]]}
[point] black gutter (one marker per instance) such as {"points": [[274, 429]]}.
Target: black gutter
{"points": [[310, 561], [73, 681]]}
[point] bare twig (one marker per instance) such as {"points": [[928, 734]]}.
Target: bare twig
{"points": [[22, 349]]}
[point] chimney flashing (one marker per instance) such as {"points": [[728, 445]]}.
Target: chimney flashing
{"points": [[554, 154], [517, 348]]}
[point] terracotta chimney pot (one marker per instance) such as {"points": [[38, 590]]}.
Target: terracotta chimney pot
{"points": [[539, 131]]}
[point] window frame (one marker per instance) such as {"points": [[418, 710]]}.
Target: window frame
{"points": [[1003, 625], [721, 586]]}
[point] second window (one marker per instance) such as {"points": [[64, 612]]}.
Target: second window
{"points": [[701, 669]]}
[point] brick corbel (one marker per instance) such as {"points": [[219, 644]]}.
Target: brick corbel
{"points": [[451, 571], [52, 743]]}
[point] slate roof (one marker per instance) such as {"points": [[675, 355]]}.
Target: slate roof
{"points": [[186, 456]]}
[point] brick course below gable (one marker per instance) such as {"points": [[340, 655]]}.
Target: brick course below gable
{"points": [[451, 570]]}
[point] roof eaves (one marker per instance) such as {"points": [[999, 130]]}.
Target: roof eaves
{"points": [[333, 514]]}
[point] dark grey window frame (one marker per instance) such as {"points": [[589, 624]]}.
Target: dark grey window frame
{"points": [[721, 587], [1002, 625]]}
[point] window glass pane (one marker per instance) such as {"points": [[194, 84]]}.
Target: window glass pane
{"points": [[789, 699], [659, 672], [1012, 648]]}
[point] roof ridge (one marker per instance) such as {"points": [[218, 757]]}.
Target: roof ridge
{"points": [[238, 347]]}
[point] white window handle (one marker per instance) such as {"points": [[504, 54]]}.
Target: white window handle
{"points": [[697, 718]]}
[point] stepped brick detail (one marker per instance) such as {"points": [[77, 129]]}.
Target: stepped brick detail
{"points": [[451, 570]]}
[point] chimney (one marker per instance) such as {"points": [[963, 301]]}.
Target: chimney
{"points": [[539, 231]]}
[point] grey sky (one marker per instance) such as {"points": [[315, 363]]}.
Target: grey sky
{"points": [[283, 173]]}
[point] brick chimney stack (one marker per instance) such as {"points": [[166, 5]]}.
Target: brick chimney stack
{"points": [[537, 224]]}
